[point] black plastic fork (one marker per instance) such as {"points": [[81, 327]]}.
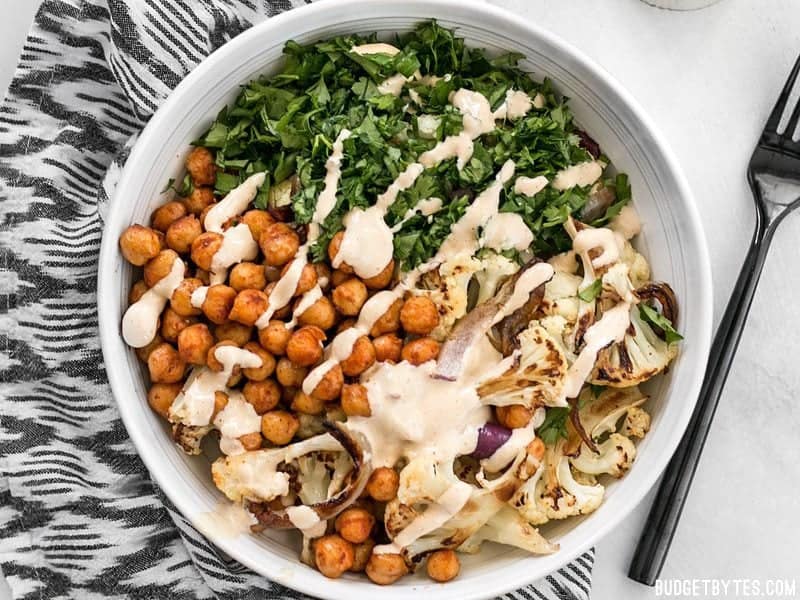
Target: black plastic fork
{"points": [[774, 177]]}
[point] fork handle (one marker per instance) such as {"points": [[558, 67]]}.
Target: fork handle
{"points": [[665, 512]]}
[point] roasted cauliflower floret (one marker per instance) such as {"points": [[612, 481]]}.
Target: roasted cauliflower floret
{"points": [[636, 424], [615, 457], [189, 437], [561, 296], [449, 291], [494, 269]]}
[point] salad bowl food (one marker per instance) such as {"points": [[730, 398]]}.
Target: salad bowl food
{"points": [[405, 299]]}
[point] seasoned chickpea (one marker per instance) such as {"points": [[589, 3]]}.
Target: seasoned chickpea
{"points": [[305, 346], [388, 348], [287, 395], [172, 324], [247, 276], [382, 279], [273, 274], [331, 384], [354, 525], [349, 297], [274, 337], [166, 214], [420, 350], [138, 290], [161, 395], [213, 362], [307, 280], [513, 416], [310, 405], [199, 200], [443, 565], [207, 210], [267, 367], [338, 277], [248, 306], [333, 555], [419, 315], [263, 395], [165, 365], [333, 249], [235, 332], [389, 321], [345, 325], [355, 402], [279, 243], [383, 483], [201, 167], [257, 221], [139, 244], [385, 569], [202, 275], [251, 441], [321, 313], [220, 402], [194, 342], [279, 426], [362, 552], [181, 300], [144, 352], [159, 267], [290, 374], [283, 312], [182, 233], [204, 247], [218, 303], [361, 358], [323, 275]]}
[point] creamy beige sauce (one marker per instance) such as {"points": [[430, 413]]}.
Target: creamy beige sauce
{"points": [[589, 239], [375, 48], [529, 280], [582, 174], [530, 186], [140, 322], [327, 197], [307, 300], [393, 85], [566, 262], [425, 207], [458, 146], [306, 520], [505, 231], [286, 286], [502, 457], [198, 297], [238, 418], [403, 182], [195, 404], [627, 222], [517, 104], [367, 245], [237, 245], [234, 204], [226, 521]]}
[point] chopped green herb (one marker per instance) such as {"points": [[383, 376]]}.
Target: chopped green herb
{"points": [[652, 316], [554, 425], [591, 291]]}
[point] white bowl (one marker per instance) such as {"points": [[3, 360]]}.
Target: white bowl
{"points": [[673, 240]]}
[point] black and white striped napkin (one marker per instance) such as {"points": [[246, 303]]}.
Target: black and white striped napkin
{"points": [[79, 516]]}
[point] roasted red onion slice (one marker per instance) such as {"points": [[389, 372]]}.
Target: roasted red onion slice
{"points": [[490, 437]]}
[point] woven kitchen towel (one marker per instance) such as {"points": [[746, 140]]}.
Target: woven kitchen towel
{"points": [[79, 516]]}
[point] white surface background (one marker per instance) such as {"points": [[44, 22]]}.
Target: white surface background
{"points": [[708, 79]]}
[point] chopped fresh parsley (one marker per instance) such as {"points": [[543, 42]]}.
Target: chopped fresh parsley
{"points": [[591, 291], [554, 425], [652, 316]]}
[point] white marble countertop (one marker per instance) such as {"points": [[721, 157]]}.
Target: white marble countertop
{"points": [[708, 79]]}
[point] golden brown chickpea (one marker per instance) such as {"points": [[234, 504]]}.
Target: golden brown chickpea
{"points": [[202, 275], [182, 233], [213, 362], [181, 300], [290, 374], [333, 555], [267, 363], [207, 210], [513, 416], [279, 243], [361, 358], [159, 267], [247, 276], [194, 342], [274, 337], [419, 315], [257, 221], [139, 244], [536, 449], [338, 277], [333, 250], [382, 279], [443, 565], [287, 395], [302, 402], [165, 365], [321, 313], [355, 402], [273, 274], [137, 291], [349, 297], [251, 441], [161, 395], [144, 352], [385, 569], [307, 280], [263, 395], [323, 275], [362, 552], [345, 325], [166, 214], [204, 247], [235, 332], [383, 483], [219, 302], [201, 167], [172, 324], [389, 321], [331, 384], [248, 306], [220, 402], [281, 313], [199, 200], [305, 346], [420, 350], [354, 525], [279, 426], [388, 348]]}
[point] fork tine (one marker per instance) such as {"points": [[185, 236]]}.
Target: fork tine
{"points": [[780, 105], [791, 125]]}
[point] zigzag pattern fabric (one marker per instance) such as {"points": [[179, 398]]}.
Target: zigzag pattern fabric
{"points": [[79, 515]]}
